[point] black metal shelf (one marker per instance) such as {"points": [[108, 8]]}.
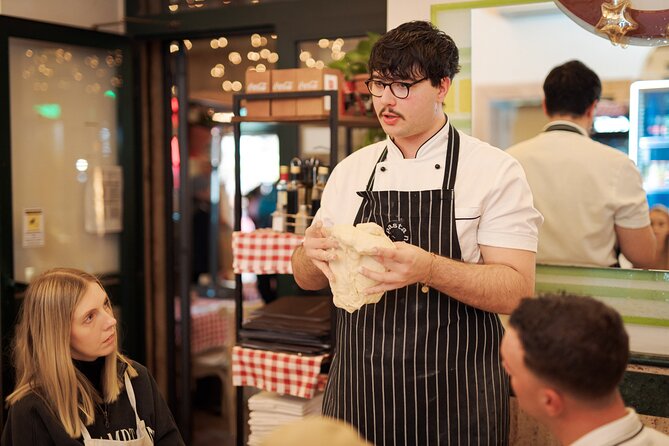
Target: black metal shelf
{"points": [[333, 120]]}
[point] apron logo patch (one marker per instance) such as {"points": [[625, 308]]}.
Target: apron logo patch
{"points": [[397, 232]]}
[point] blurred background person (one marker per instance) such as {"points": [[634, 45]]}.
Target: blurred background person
{"points": [[565, 356], [590, 194], [202, 207], [659, 221], [261, 205]]}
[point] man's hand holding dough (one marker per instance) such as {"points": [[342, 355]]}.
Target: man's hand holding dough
{"points": [[319, 249]]}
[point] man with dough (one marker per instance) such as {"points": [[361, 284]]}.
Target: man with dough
{"points": [[422, 365]]}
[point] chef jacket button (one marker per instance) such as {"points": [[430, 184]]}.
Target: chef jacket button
{"points": [[437, 166], [383, 168]]}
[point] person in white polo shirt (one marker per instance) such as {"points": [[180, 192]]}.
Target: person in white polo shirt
{"points": [[591, 195], [422, 365], [566, 356]]}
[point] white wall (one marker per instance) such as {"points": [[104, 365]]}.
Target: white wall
{"points": [[400, 11], [524, 49], [79, 13], [532, 45]]}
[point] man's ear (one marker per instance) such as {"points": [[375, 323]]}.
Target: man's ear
{"points": [[552, 401], [444, 86], [543, 106]]}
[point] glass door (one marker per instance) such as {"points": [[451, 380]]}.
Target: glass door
{"points": [[67, 165], [67, 178]]}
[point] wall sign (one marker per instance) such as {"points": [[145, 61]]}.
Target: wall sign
{"points": [[33, 227]]}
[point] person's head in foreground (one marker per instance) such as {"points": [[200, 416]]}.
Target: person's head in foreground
{"points": [[66, 315], [565, 356], [316, 431]]}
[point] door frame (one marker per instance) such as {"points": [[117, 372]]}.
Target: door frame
{"points": [[127, 289]]}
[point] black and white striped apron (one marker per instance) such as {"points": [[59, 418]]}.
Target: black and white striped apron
{"points": [[415, 368]]}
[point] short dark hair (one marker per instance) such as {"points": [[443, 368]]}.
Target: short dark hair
{"points": [[414, 50], [570, 88], [576, 343]]}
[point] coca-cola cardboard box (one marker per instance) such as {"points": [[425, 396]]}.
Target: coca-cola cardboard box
{"points": [[284, 81], [312, 79], [257, 82]]}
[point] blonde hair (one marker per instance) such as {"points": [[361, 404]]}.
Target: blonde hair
{"points": [[315, 430], [42, 354]]}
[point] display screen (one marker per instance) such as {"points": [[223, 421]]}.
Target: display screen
{"points": [[652, 127], [654, 112]]}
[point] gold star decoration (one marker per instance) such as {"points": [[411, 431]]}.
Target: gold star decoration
{"points": [[615, 21]]}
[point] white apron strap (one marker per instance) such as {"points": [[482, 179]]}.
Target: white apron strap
{"points": [[84, 431], [131, 396]]}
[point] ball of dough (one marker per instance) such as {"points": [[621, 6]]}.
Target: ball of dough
{"points": [[356, 245]]}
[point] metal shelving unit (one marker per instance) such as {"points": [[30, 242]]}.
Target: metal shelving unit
{"points": [[333, 120]]}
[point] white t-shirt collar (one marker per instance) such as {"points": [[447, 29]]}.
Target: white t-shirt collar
{"points": [[614, 432], [580, 129]]}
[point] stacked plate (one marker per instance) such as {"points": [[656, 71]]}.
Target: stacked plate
{"points": [[268, 411]]}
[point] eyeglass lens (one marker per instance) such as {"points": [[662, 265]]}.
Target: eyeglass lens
{"points": [[399, 89]]}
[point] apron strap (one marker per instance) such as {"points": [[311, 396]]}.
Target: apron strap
{"points": [[84, 432], [452, 155], [382, 158], [131, 396]]}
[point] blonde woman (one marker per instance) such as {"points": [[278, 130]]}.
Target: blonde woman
{"points": [[73, 386]]}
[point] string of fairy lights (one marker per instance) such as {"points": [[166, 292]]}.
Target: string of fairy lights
{"points": [[59, 68], [231, 57]]}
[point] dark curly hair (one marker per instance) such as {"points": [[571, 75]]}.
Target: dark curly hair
{"points": [[576, 343], [414, 50]]}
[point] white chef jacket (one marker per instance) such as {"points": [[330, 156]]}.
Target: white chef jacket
{"points": [[582, 188], [625, 431], [493, 202]]}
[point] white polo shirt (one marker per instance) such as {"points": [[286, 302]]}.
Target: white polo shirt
{"points": [[493, 202], [582, 188], [625, 431]]}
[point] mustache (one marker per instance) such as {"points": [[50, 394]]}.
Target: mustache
{"points": [[390, 110]]}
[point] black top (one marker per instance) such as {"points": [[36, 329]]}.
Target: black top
{"points": [[32, 423], [92, 370]]}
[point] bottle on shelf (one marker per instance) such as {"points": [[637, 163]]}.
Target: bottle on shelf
{"points": [[295, 196], [279, 215], [309, 168], [302, 220], [317, 191]]}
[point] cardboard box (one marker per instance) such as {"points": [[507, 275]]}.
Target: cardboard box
{"points": [[258, 82], [312, 79], [284, 81]]}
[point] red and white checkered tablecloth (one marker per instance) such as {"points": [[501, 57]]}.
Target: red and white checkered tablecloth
{"points": [[263, 251], [211, 323], [282, 373]]}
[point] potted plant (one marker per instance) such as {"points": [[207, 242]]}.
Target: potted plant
{"points": [[354, 67]]}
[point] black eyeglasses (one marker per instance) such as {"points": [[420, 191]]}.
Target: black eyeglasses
{"points": [[399, 89]]}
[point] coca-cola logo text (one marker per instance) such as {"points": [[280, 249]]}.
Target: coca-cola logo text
{"points": [[257, 87], [283, 86], [308, 85]]}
